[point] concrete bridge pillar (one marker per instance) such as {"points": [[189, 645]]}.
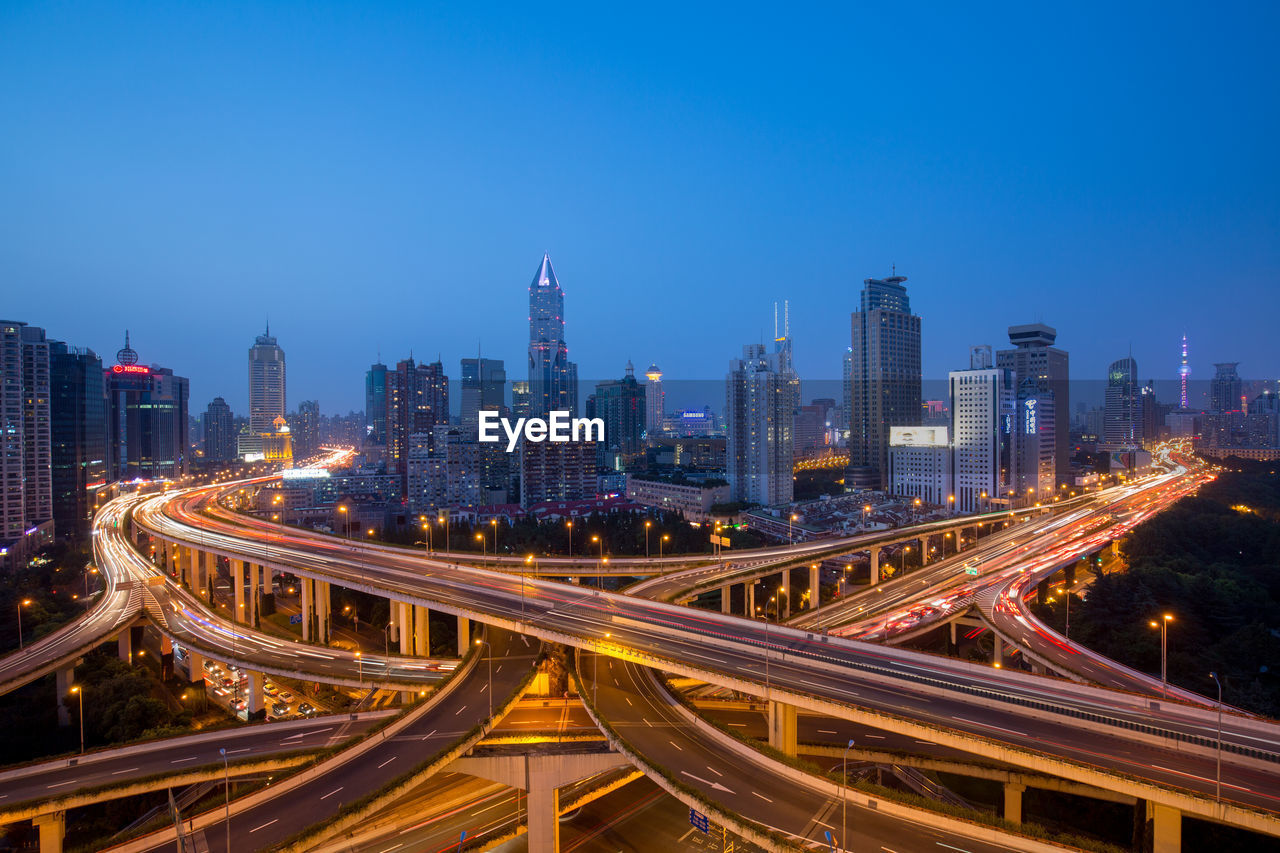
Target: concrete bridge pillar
{"points": [[52, 829], [238, 612], [308, 609], [166, 657], [874, 555], [254, 696], [725, 602], [782, 727], [1013, 801], [815, 587], [464, 637], [1166, 828], [997, 652], [406, 627], [543, 805], [323, 599], [195, 665], [64, 678], [421, 631], [924, 551], [1069, 576], [784, 596], [749, 598]]}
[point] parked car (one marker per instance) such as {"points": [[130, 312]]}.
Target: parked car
{"points": [[280, 709], [306, 708], [284, 696]]}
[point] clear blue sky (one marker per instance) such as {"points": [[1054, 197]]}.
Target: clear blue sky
{"points": [[386, 177]]}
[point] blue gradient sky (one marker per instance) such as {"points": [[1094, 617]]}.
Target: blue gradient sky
{"points": [[386, 177]]}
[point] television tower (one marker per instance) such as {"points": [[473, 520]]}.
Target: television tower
{"points": [[1183, 372]]}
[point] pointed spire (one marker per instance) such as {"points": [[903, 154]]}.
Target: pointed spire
{"points": [[546, 275]]}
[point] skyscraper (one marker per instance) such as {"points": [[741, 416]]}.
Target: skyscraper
{"points": [[146, 419], [219, 432], [760, 406], [484, 386], [553, 379], [266, 383], [1226, 389], [654, 400], [417, 402], [620, 403], [304, 426], [884, 376], [78, 431], [1041, 372], [981, 419], [521, 399], [26, 499], [1122, 417], [375, 405]]}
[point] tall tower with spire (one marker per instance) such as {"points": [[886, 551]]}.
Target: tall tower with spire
{"points": [[1184, 373], [266, 383], [553, 379]]}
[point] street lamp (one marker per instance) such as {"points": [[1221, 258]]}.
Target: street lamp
{"points": [[844, 800], [1163, 625], [490, 659], [791, 539], [80, 695], [903, 554], [360, 669], [1218, 776], [647, 525], [569, 525], [346, 530], [666, 537], [494, 522], [444, 520], [21, 604], [527, 560], [483, 553], [1066, 594]]}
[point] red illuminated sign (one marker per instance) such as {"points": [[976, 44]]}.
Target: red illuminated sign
{"points": [[130, 368]]}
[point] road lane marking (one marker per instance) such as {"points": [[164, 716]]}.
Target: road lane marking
{"points": [[761, 796], [265, 825], [388, 761], [676, 745], [242, 749], [181, 760], [60, 784], [826, 731], [331, 793], [715, 771], [428, 734], [118, 772], [460, 710]]}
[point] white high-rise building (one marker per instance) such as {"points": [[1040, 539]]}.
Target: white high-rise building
{"points": [[760, 404], [266, 383], [982, 401], [920, 464], [654, 398]]}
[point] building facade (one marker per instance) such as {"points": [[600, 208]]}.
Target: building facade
{"points": [[304, 424], [556, 471], [982, 400], [26, 472], [620, 403], [884, 376], [1042, 371], [760, 405], [375, 405], [266, 383], [78, 430], [654, 401], [219, 432], [693, 500], [920, 464], [553, 379], [484, 387], [146, 420], [1122, 415]]}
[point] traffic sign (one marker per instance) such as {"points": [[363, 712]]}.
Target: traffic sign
{"points": [[295, 619], [699, 821], [971, 570]]}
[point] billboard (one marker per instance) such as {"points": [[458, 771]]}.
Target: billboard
{"points": [[917, 436]]}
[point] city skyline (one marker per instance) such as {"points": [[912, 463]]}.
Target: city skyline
{"points": [[694, 181]]}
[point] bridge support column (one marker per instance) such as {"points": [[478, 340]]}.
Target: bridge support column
{"points": [[52, 829], [323, 603], [200, 580], [166, 657], [254, 696], [195, 665], [406, 627], [1013, 801], [544, 812], [749, 596], [782, 727], [64, 678], [874, 555], [308, 609], [464, 637], [1069, 577], [924, 551], [421, 631], [124, 645], [997, 651], [1166, 828], [815, 587], [238, 613], [726, 605], [784, 597]]}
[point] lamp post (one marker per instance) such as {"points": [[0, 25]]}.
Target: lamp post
{"points": [[1163, 625], [527, 560], [490, 660], [226, 775], [791, 539], [665, 538], [21, 604], [1218, 774], [444, 520], [844, 800], [903, 554], [360, 669], [494, 522], [1066, 594], [569, 525], [647, 525], [483, 553], [80, 695], [342, 508]]}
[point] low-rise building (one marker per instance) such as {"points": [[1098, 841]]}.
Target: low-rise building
{"points": [[692, 499]]}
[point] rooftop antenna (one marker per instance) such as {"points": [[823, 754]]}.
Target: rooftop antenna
{"points": [[893, 270], [775, 320], [786, 318]]}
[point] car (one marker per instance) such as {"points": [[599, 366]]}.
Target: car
{"points": [[228, 682], [280, 709], [210, 666], [270, 689], [306, 708], [237, 705], [284, 696]]}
